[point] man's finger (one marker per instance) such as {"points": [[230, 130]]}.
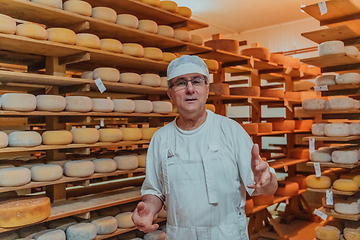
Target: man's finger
{"points": [[255, 154]]}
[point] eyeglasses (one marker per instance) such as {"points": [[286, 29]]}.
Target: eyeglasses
{"points": [[181, 84]]}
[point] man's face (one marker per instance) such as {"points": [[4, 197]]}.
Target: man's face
{"points": [[189, 92]]}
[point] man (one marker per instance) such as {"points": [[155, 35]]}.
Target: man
{"points": [[200, 165]]}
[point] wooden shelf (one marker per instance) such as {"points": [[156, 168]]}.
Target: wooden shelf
{"points": [[332, 139], [333, 190], [300, 112], [342, 33], [282, 132], [334, 165], [247, 99], [73, 145], [331, 60], [332, 213], [280, 163]]}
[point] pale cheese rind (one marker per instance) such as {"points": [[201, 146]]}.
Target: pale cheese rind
{"points": [[102, 105], [57, 234], [3, 139], [124, 220], [331, 47], [127, 20], [79, 168], [104, 165], [133, 49], [18, 102], [107, 74], [337, 130], [31, 30], [111, 45], [127, 162], [105, 225], [104, 13], [14, 176], [143, 106], [328, 79], [7, 24], [348, 78], [148, 26], [314, 104], [81, 231], [85, 135], [24, 139], [147, 133], [162, 107], [110, 135], [52, 103], [124, 105], [87, 40], [50, 3], [61, 35], [150, 79], [78, 104], [79, 7], [345, 156], [46, 173], [182, 35], [165, 31], [129, 77], [131, 134]]}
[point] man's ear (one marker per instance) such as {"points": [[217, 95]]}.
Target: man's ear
{"points": [[169, 94]]}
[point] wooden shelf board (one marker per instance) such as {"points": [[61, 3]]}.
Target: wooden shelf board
{"points": [[331, 60], [280, 163], [332, 213], [66, 179], [341, 33], [223, 56], [300, 112], [334, 165], [335, 139], [273, 133], [73, 145], [333, 190]]}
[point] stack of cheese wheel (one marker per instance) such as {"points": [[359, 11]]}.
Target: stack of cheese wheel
{"points": [[133, 49], [79, 168], [345, 156], [165, 31], [110, 135], [102, 105], [337, 129], [7, 24], [61, 35], [57, 137], [106, 225], [327, 232], [127, 162], [85, 135], [147, 133], [53, 103], [104, 165], [162, 107], [31, 30], [321, 155], [24, 139], [127, 20], [81, 231], [104, 13], [18, 102], [143, 106], [148, 26], [124, 105], [321, 182], [343, 103], [107, 74], [314, 104], [150, 79], [87, 40], [153, 53], [182, 35], [331, 47], [46, 173], [129, 77], [14, 176], [124, 220], [3, 140], [50, 234], [346, 185], [78, 104], [131, 134], [348, 78], [111, 45], [79, 7], [326, 79]]}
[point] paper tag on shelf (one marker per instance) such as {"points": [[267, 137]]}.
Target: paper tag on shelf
{"points": [[100, 85], [102, 122], [249, 99], [287, 201], [321, 88], [252, 62], [288, 70], [329, 197], [319, 213], [83, 126], [311, 145], [73, 127], [286, 102], [302, 74], [286, 168], [317, 169], [323, 8], [97, 127]]}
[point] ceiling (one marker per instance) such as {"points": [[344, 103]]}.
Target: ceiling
{"points": [[230, 17]]}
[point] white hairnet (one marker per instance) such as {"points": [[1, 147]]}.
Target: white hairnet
{"points": [[186, 64]]}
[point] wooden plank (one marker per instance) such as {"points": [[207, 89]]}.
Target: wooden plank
{"points": [[328, 34], [280, 163], [332, 213], [300, 112], [335, 139], [334, 165], [333, 190], [331, 60]]}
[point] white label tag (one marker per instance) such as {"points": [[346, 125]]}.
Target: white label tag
{"points": [[252, 62], [323, 8], [288, 70], [321, 88], [317, 169], [302, 74], [286, 168], [102, 122], [329, 197], [100, 85], [286, 102], [311, 145], [73, 127], [97, 127], [322, 215], [249, 99], [83, 126]]}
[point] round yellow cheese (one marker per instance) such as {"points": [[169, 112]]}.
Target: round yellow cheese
{"points": [[169, 6], [182, 35], [111, 45], [162, 107], [124, 105], [107, 74], [85, 135], [150, 79], [3, 140], [152, 2], [110, 135], [321, 182], [165, 31], [143, 106], [131, 134], [51, 3], [52, 103], [81, 231], [46, 173], [78, 104], [197, 39], [184, 11], [153, 53], [79, 168], [104, 165], [7, 24], [168, 56], [129, 77], [127, 20], [147, 133], [87, 74], [164, 82], [14, 176], [87, 40], [142, 160], [105, 225], [56, 137], [102, 105], [354, 177], [212, 65], [148, 26], [31, 30], [127, 162], [79, 7], [24, 139], [133, 49], [346, 185], [124, 220], [61, 35], [18, 102], [104, 13]]}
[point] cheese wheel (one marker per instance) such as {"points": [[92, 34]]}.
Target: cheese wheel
{"points": [[304, 124], [261, 200], [348, 207], [147, 133], [105, 225], [124, 105], [182, 35], [164, 82], [323, 155], [7, 24], [52, 103], [79, 168], [24, 139], [156, 235], [102, 105], [212, 65], [107, 74], [3, 140], [131, 134], [321, 182], [331, 47], [299, 179], [61, 163], [87, 40], [127, 20], [168, 56], [197, 39], [257, 52], [351, 51], [251, 128], [184, 11], [165, 31], [265, 127], [110, 211], [345, 156], [346, 185], [14, 176], [162, 107], [351, 233], [110, 135], [219, 88], [129, 77], [87, 74], [286, 125], [81, 231], [327, 233], [152, 2], [31, 30], [354, 129], [169, 6], [318, 129], [143, 106], [314, 104], [287, 188], [104, 13], [153, 53], [50, 234], [78, 104], [104, 165], [85, 135], [148, 26], [25, 210], [142, 161], [18, 102], [150, 79], [291, 62], [79, 7], [354, 177], [277, 58], [9, 235], [342, 103], [133, 49], [127, 162], [51, 3], [124, 220], [56, 137], [347, 78], [61, 35], [245, 91], [111, 45], [337, 130], [210, 107], [273, 93], [299, 153], [61, 223], [29, 232], [46, 173]]}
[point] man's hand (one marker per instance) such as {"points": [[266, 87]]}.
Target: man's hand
{"points": [[143, 218], [265, 182]]}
